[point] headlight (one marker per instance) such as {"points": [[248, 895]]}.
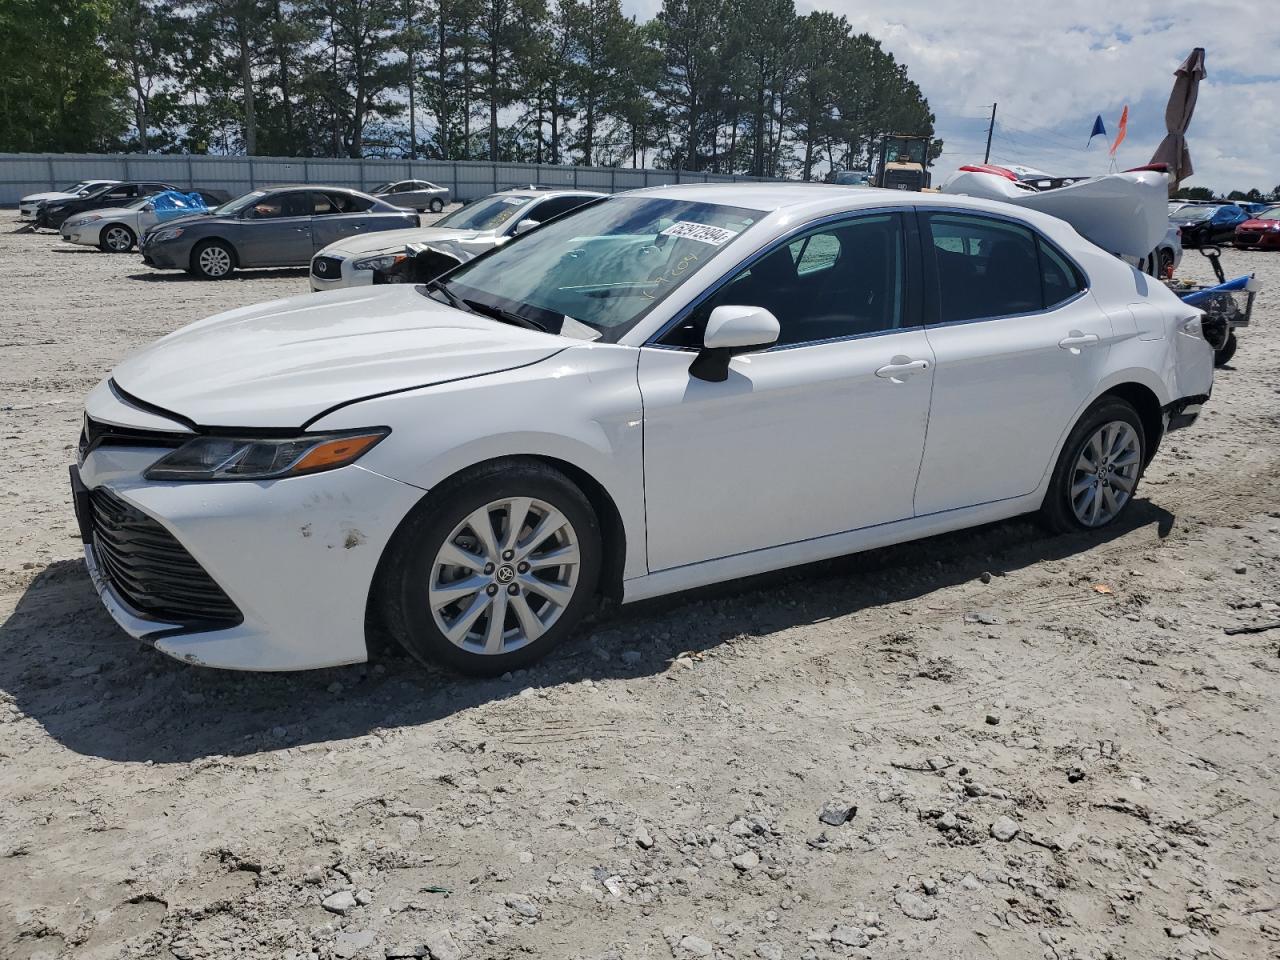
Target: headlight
{"points": [[384, 262], [55, 208], [263, 458], [83, 220], [168, 233]]}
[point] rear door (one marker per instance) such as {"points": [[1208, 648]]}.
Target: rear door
{"points": [[276, 231], [1019, 346], [336, 215]]}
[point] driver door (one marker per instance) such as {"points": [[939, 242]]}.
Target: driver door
{"points": [[277, 231], [819, 435]]}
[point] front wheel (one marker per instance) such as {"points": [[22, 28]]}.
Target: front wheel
{"points": [[1098, 470], [116, 238], [1223, 356], [213, 260], [493, 569], [437, 205]]}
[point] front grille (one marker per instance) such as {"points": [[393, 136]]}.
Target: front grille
{"points": [[1248, 237], [94, 434], [326, 268], [150, 570]]}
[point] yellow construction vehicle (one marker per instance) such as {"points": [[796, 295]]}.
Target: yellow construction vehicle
{"points": [[904, 162]]}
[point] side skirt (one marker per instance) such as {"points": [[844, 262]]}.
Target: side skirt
{"points": [[708, 572]]}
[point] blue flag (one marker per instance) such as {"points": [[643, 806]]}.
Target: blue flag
{"points": [[1098, 128]]}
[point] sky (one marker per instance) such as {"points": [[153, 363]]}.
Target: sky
{"points": [[1054, 65]]}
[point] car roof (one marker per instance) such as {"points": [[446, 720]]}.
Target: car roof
{"points": [[542, 192], [805, 200]]}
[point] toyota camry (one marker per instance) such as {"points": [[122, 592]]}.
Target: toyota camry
{"points": [[662, 390]]}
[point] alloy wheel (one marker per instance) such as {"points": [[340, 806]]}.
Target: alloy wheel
{"points": [[1105, 473], [119, 239], [215, 261], [504, 576]]}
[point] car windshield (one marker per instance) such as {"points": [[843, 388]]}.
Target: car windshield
{"points": [[488, 213], [383, 188], [137, 204], [1271, 213], [595, 272], [75, 187], [1197, 213], [239, 203]]}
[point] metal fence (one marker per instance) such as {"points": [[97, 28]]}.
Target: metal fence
{"points": [[24, 173]]}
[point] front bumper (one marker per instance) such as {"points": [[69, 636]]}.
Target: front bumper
{"points": [[169, 255], [297, 558], [1183, 412], [347, 276]]}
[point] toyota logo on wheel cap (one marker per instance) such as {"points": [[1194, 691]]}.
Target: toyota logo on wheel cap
{"points": [[505, 574]]}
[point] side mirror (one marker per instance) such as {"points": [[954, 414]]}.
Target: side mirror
{"points": [[524, 226], [148, 208], [732, 331]]}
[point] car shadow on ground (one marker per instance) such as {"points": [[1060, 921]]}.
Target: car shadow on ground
{"points": [[65, 664], [181, 276]]}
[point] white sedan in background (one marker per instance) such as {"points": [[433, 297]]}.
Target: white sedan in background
{"points": [[117, 229], [28, 204], [662, 390], [460, 236]]}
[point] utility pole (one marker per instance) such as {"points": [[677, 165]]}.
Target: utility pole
{"points": [[991, 127]]}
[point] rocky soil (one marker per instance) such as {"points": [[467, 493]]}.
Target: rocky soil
{"points": [[996, 744]]}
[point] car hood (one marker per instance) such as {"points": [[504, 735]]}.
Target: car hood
{"points": [[393, 241], [1255, 224], [283, 363], [104, 212], [37, 197]]}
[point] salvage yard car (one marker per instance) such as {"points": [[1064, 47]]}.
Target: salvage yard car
{"points": [[28, 205], [278, 227], [116, 229], [52, 213], [665, 389], [420, 195], [466, 233], [1261, 230]]}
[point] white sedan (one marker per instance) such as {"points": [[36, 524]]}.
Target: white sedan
{"points": [[117, 229], [668, 388], [28, 205], [458, 237]]}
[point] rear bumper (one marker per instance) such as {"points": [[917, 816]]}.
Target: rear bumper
{"points": [[1184, 411]]}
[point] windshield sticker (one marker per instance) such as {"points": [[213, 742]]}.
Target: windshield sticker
{"points": [[702, 232], [516, 201]]}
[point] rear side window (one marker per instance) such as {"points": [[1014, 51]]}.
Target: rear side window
{"points": [[993, 268], [340, 203]]}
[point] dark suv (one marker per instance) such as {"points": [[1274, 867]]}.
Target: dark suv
{"points": [[116, 195]]}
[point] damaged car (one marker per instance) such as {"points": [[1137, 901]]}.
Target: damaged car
{"points": [[456, 238], [664, 389]]}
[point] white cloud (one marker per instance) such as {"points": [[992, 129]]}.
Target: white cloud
{"points": [[1053, 65]]}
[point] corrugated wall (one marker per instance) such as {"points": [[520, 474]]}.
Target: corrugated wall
{"points": [[24, 173]]}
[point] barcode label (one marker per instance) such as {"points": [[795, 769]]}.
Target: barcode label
{"points": [[703, 233]]}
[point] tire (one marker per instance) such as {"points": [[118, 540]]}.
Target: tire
{"points": [[1222, 357], [116, 238], [1064, 513], [213, 260], [437, 205], [441, 529]]}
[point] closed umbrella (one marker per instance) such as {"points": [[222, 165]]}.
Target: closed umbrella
{"points": [[1177, 118]]}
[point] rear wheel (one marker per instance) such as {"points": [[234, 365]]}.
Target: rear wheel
{"points": [[1098, 470], [437, 205], [213, 260], [116, 238], [493, 569], [1223, 356]]}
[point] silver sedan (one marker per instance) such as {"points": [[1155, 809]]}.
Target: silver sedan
{"points": [[420, 195]]}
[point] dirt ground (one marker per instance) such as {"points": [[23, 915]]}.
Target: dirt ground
{"points": [[654, 790]]}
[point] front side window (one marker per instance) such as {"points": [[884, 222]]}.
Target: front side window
{"points": [[603, 266], [553, 207], [836, 281], [985, 267]]}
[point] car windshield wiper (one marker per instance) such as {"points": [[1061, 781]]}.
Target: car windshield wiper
{"points": [[506, 316], [453, 298]]}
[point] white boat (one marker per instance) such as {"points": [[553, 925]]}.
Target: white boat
{"points": [[1124, 213]]}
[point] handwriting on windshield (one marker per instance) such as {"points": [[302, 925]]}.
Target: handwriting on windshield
{"points": [[673, 274]]}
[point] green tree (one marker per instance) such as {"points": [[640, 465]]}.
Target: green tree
{"points": [[58, 88], [690, 34]]}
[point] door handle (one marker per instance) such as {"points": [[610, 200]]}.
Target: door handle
{"points": [[1077, 339], [901, 368]]}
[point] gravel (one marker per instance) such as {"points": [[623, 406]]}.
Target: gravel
{"points": [[138, 791]]}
